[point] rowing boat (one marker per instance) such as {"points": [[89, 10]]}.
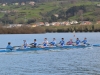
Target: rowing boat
{"points": [[46, 48], [96, 45], [79, 46], [6, 50]]}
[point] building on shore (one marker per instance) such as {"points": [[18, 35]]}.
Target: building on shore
{"points": [[32, 3]]}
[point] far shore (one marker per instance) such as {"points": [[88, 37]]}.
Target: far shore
{"points": [[51, 29]]}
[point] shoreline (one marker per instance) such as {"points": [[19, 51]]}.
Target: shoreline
{"points": [[46, 33], [51, 29]]}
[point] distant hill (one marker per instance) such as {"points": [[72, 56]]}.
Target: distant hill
{"points": [[10, 1], [49, 11]]}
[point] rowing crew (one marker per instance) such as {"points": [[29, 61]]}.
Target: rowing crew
{"points": [[53, 43]]}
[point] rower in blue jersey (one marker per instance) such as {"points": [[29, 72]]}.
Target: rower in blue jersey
{"points": [[9, 46], [62, 42], [77, 41], [25, 45], [84, 41], [34, 44], [45, 42], [53, 43]]}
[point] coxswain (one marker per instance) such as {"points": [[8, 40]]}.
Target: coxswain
{"points": [[9, 46]]}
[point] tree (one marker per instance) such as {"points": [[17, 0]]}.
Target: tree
{"points": [[53, 18], [31, 21]]}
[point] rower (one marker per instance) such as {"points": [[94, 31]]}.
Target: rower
{"points": [[45, 42], [25, 45], [9, 46], [77, 41], [53, 43], [34, 44], [62, 42], [70, 42], [84, 41]]}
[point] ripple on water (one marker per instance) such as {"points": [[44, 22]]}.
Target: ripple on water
{"points": [[53, 62]]}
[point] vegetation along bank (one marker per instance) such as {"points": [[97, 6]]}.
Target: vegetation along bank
{"points": [[44, 29]]}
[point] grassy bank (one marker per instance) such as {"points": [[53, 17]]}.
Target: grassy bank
{"points": [[76, 28], [36, 30], [22, 30]]}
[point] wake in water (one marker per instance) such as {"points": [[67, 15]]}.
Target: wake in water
{"points": [[42, 51]]}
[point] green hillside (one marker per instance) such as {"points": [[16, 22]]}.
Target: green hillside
{"points": [[45, 11]]}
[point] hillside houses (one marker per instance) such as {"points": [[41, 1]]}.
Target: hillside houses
{"points": [[98, 22], [3, 4], [40, 23], [12, 25], [8, 11], [74, 22], [85, 23], [32, 3], [56, 15], [98, 5], [64, 23], [47, 24], [23, 3], [16, 3]]}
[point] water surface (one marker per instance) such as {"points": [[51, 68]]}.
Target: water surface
{"points": [[53, 62]]}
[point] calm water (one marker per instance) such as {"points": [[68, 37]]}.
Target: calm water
{"points": [[54, 62]]}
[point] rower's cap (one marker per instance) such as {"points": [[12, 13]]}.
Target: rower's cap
{"points": [[54, 38], [9, 42], [62, 38], [34, 39]]}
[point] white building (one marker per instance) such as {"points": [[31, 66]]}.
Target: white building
{"points": [[32, 3], [47, 24], [22, 3], [16, 3], [3, 4]]}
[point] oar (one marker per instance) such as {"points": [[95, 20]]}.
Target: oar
{"points": [[17, 46], [74, 34], [5, 48], [40, 44], [2, 48]]}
